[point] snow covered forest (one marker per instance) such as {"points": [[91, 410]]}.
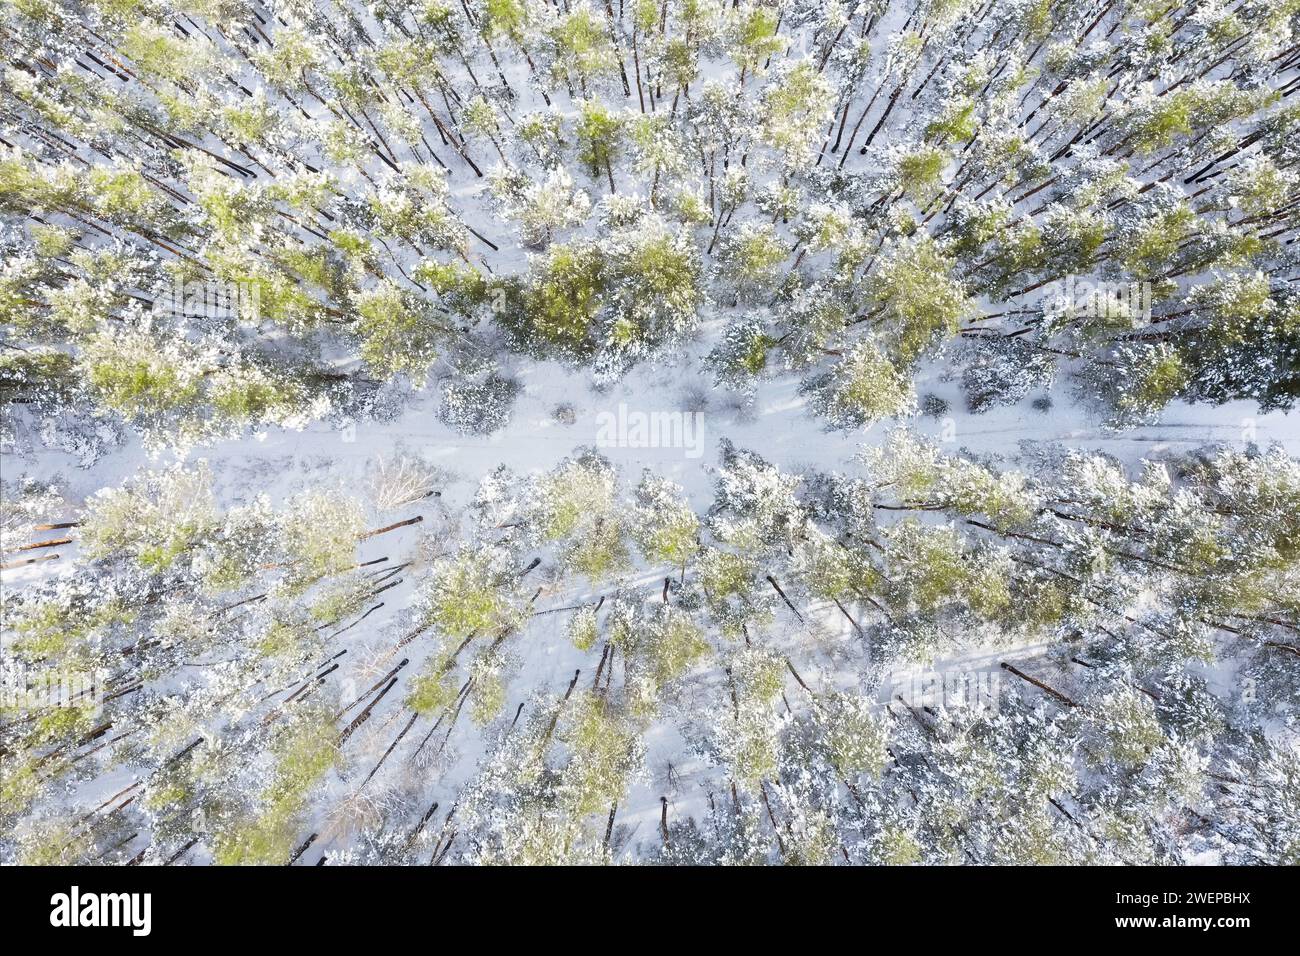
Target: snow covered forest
{"points": [[650, 431]]}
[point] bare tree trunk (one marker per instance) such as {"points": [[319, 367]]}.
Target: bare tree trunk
{"points": [[1039, 684], [392, 527], [772, 581]]}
